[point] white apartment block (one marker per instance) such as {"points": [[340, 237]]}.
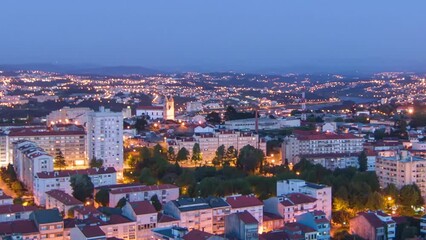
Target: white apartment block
{"points": [[29, 159], [105, 137], [402, 169], [291, 205], [320, 192], [67, 138], [311, 142], [67, 115], [209, 142], [47, 181], [134, 193], [145, 216]]}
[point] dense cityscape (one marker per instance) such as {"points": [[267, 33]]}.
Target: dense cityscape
{"points": [[212, 156]]}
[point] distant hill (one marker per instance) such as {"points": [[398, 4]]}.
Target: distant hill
{"points": [[82, 69]]}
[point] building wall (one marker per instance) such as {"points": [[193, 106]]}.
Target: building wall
{"points": [[164, 195], [105, 137]]}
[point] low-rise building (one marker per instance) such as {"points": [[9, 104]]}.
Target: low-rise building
{"points": [[46, 181], [15, 212], [5, 199], [320, 192], [318, 221], [133, 192], [193, 213], [373, 225], [19, 229], [249, 203], [49, 223], [61, 200], [145, 216], [242, 225]]}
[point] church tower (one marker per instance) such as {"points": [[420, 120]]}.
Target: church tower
{"points": [[169, 108]]}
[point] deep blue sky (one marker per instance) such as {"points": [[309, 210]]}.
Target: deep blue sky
{"points": [[242, 35]]}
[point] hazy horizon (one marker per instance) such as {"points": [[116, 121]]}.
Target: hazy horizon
{"points": [[222, 35]]}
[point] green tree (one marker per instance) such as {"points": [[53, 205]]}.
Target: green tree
{"points": [[96, 163], [102, 197], [230, 156], [219, 155], [82, 186], [196, 153], [171, 154], [147, 177], [213, 118], [375, 202], [17, 188], [121, 203], [182, 154], [141, 124], [250, 158], [156, 203], [145, 153], [59, 159], [391, 191], [362, 162], [409, 197]]}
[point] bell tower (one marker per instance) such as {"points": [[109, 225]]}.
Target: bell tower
{"points": [[169, 108]]}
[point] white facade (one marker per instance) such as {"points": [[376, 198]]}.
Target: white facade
{"points": [[320, 192], [310, 142], [67, 115], [46, 181], [249, 203], [194, 106], [29, 160], [402, 169], [105, 137], [164, 192], [152, 112]]}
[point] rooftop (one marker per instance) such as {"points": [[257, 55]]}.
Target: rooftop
{"points": [[46, 216], [63, 197], [243, 201], [69, 173]]}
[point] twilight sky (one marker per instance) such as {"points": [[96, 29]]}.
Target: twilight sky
{"points": [[217, 35]]}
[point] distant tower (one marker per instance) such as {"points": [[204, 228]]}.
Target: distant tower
{"points": [[169, 108], [303, 105]]}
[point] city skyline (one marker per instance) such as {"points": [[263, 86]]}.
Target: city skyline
{"points": [[244, 36]]}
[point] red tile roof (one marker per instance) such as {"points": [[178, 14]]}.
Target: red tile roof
{"points": [[197, 235], [297, 198], [63, 197], [69, 173], [150, 108], [92, 231], [313, 135], [163, 218], [15, 208], [143, 207], [243, 201], [21, 132], [271, 217], [246, 217], [142, 188], [20, 226]]}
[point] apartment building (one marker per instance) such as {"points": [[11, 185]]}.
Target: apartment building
{"points": [[46, 181], [15, 212], [28, 160], [242, 225], [139, 192], [69, 139], [105, 138], [320, 192], [67, 115], [145, 216], [61, 200], [249, 203], [402, 169], [210, 141], [193, 213], [5, 199], [49, 223], [373, 225], [305, 143], [318, 221]]}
